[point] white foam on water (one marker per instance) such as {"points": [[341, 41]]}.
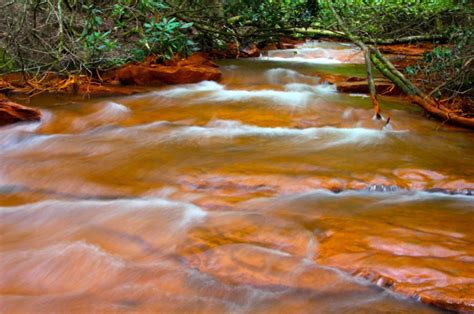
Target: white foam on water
{"points": [[388, 127], [295, 95], [43, 270], [22, 134], [109, 112], [189, 89], [354, 135], [18, 141], [420, 196], [317, 88], [299, 87], [81, 212], [282, 98], [282, 75], [65, 249], [347, 114], [18, 133], [326, 88], [232, 128], [151, 126], [301, 60], [113, 109], [12, 136], [359, 95], [281, 72], [386, 198], [331, 136]]}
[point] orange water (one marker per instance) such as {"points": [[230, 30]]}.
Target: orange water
{"points": [[265, 193]]}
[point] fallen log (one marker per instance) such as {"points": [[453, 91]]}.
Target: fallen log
{"points": [[380, 41]]}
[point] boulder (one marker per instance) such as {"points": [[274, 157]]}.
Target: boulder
{"points": [[11, 112], [192, 70], [289, 43], [250, 51], [197, 59], [270, 46]]}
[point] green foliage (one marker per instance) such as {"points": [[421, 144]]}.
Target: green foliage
{"points": [[93, 18], [165, 38], [268, 13], [152, 5], [7, 62], [413, 69], [390, 18], [447, 69], [98, 34], [439, 57], [97, 43]]}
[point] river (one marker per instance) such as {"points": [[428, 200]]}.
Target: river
{"points": [[267, 192]]}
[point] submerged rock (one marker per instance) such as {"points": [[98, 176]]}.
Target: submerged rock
{"points": [[11, 112]]}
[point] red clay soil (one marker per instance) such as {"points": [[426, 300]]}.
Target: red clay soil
{"points": [[406, 50], [403, 55], [127, 80]]}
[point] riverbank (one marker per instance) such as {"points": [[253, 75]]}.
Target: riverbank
{"points": [[137, 78], [129, 79]]}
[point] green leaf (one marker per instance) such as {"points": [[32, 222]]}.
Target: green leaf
{"points": [[186, 25]]}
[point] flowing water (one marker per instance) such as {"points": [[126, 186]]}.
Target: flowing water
{"points": [[267, 192]]}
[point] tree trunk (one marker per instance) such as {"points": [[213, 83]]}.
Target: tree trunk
{"points": [[368, 63], [371, 83], [380, 41], [426, 102], [415, 94]]}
